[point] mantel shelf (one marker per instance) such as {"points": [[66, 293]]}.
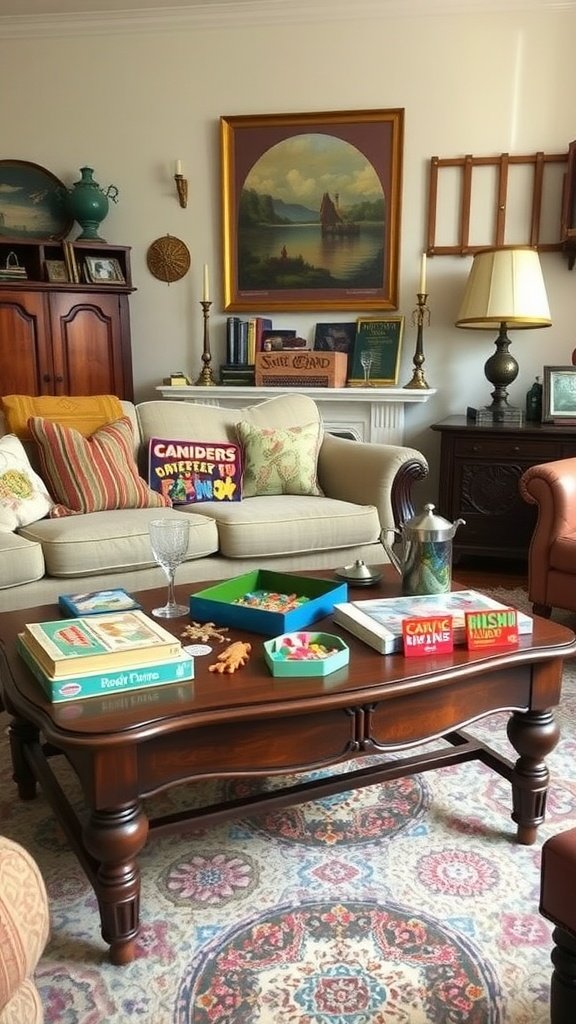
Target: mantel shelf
{"points": [[366, 414]]}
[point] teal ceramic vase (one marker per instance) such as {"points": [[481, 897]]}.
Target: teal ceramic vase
{"points": [[88, 204]]}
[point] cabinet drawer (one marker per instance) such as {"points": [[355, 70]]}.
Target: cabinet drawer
{"points": [[533, 451]]}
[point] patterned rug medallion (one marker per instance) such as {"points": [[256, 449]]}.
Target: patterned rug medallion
{"points": [[333, 962], [402, 903]]}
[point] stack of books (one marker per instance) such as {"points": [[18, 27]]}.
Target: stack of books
{"points": [[12, 270], [97, 654]]}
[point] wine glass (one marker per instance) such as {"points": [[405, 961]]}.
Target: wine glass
{"points": [[366, 361], [169, 541]]}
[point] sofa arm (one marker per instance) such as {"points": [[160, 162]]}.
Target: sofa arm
{"points": [[24, 925], [371, 474], [552, 487]]}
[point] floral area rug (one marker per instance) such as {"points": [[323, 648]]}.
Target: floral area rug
{"points": [[402, 903]]}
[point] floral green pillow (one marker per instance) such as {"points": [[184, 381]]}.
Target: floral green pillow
{"points": [[279, 461]]}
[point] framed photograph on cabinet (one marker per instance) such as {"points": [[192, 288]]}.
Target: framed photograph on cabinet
{"points": [[376, 358], [311, 208], [56, 271], [103, 270], [559, 394]]}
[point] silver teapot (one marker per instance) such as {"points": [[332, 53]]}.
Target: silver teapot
{"points": [[425, 553]]}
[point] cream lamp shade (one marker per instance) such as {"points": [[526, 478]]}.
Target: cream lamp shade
{"points": [[505, 288], [505, 285]]}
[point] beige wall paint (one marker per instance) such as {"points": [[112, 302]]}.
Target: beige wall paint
{"points": [[129, 105]]}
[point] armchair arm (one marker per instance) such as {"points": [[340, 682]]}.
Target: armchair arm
{"points": [[371, 474], [552, 487]]}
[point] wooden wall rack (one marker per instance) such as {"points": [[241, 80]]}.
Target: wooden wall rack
{"points": [[501, 163]]}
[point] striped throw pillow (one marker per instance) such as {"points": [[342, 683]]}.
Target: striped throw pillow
{"points": [[91, 474]]}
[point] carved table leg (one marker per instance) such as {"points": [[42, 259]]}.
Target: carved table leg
{"points": [[23, 734], [533, 735], [115, 838]]}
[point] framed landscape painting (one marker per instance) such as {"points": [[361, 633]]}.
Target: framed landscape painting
{"points": [[311, 209]]}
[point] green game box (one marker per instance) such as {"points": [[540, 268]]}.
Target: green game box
{"points": [[216, 604]]}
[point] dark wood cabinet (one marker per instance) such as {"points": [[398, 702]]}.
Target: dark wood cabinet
{"points": [[479, 472], [69, 337]]}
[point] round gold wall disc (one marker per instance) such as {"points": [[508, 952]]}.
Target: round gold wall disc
{"points": [[168, 258]]}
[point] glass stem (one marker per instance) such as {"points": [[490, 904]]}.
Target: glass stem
{"points": [[170, 573]]}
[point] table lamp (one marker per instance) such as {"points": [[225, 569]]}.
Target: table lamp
{"points": [[505, 288]]}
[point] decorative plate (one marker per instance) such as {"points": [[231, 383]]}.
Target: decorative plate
{"points": [[168, 259], [32, 202]]}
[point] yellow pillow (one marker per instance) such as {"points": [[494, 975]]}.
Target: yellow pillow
{"points": [[82, 413]]}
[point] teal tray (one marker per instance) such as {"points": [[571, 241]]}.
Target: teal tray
{"points": [[291, 669]]}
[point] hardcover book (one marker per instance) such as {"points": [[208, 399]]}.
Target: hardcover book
{"points": [[378, 622], [111, 640], [94, 602], [114, 680]]}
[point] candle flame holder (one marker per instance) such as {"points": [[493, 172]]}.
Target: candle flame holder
{"points": [[206, 376], [182, 189], [420, 316]]}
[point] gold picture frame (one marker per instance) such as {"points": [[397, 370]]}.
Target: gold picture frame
{"points": [[311, 210], [56, 271], [376, 355]]}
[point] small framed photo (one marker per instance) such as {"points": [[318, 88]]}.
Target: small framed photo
{"points": [[56, 271], [336, 338], [376, 355], [559, 394], [103, 270]]}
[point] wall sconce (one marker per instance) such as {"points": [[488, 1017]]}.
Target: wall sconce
{"points": [[181, 185]]}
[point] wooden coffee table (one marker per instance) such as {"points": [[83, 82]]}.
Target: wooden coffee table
{"points": [[124, 747]]}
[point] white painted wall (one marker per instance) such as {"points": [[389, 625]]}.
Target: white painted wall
{"points": [[130, 104]]}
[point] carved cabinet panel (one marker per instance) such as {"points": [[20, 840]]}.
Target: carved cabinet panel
{"points": [[479, 472], [67, 336]]}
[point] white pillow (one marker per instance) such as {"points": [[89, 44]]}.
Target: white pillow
{"points": [[23, 496]]}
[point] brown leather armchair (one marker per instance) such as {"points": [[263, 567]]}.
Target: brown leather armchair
{"points": [[552, 556]]}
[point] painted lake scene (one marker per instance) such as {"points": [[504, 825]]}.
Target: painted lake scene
{"points": [[32, 202], [311, 215]]}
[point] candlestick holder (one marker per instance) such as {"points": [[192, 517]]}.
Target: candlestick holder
{"points": [[182, 189], [420, 316], [206, 377]]}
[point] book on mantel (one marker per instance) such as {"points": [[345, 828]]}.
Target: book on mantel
{"points": [[112, 680], [110, 640], [378, 622]]}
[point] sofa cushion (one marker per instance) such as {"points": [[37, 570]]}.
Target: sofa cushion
{"points": [[91, 474], [23, 496], [21, 560], [83, 413], [290, 524], [194, 420], [113, 541], [279, 461]]}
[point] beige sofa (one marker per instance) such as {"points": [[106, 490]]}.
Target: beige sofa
{"points": [[366, 489]]}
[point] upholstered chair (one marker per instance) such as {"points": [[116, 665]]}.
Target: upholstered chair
{"points": [[558, 904], [24, 924], [552, 555]]}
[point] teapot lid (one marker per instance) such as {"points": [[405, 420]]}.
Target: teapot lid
{"points": [[427, 526]]}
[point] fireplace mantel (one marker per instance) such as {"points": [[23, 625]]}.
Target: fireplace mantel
{"points": [[366, 414]]}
